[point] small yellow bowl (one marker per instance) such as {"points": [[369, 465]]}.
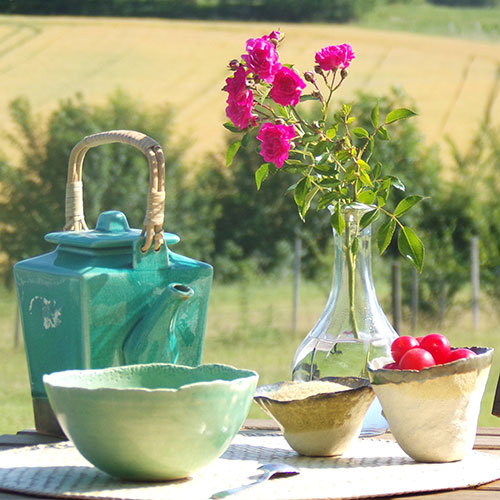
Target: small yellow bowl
{"points": [[433, 413], [321, 417]]}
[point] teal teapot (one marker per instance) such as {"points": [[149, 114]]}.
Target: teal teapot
{"points": [[112, 295]]}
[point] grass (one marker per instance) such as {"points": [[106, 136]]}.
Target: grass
{"points": [[184, 63], [419, 16], [249, 326]]}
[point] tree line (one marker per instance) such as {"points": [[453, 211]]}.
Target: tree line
{"points": [[220, 215], [258, 10], [270, 10]]}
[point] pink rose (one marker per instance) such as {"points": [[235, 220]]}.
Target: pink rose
{"points": [[275, 142], [240, 112], [274, 35], [262, 58], [287, 87], [236, 86], [335, 56]]}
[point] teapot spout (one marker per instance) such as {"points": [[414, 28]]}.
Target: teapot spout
{"points": [[154, 339]]}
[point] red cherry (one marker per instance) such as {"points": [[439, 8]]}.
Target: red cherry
{"points": [[460, 353], [419, 338], [438, 345], [401, 345], [416, 359], [391, 366]]}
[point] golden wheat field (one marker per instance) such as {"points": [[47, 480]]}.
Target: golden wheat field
{"points": [[46, 59]]}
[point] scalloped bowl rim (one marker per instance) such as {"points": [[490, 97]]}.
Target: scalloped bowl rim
{"points": [[67, 379], [483, 358], [364, 384]]}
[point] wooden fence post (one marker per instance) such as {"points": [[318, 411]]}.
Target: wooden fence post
{"points": [[475, 279], [296, 283], [396, 296]]}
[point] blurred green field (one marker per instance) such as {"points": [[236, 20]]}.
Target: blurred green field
{"points": [[46, 59], [249, 326]]}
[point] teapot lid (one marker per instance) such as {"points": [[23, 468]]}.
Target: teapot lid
{"points": [[112, 230]]}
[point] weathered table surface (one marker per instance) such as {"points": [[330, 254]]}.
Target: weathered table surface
{"points": [[487, 440]]}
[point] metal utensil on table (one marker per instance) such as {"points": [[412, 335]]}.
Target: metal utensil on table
{"points": [[271, 471]]}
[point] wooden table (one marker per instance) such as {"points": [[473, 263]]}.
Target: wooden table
{"points": [[487, 439]]}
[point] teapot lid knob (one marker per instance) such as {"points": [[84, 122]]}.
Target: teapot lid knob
{"points": [[112, 221]]}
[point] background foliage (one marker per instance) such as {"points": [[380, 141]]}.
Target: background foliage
{"points": [[33, 191], [221, 216], [283, 10]]}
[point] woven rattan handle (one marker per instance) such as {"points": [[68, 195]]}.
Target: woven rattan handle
{"points": [[153, 222]]}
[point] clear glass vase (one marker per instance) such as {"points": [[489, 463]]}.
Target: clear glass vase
{"points": [[353, 328]]}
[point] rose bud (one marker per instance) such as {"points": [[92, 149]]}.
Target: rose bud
{"points": [[318, 70], [234, 64], [309, 76]]}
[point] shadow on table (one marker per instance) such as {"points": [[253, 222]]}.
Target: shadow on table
{"points": [[263, 454]]}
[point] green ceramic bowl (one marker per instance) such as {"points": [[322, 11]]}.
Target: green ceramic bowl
{"points": [[151, 422]]}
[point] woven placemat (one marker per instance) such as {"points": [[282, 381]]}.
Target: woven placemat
{"points": [[370, 468]]}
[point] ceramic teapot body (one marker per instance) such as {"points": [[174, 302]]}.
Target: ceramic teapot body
{"points": [[100, 299]]}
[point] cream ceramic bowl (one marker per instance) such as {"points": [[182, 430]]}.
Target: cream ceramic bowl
{"points": [[433, 413], [322, 424], [151, 422]]}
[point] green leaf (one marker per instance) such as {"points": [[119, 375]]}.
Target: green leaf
{"points": [[231, 152], [326, 169], [406, 203], [291, 188], [396, 182], [360, 132], [365, 178], [311, 138], [377, 169], [264, 95], [281, 110], [329, 182], [354, 246], [411, 247], [320, 148], [375, 116], [332, 132], [261, 174], [307, 202], [327, 198], [301, 190], [368, 218], [346, 109], [367, 197], [350, 173], [385, 233], [364, 165], [337, 221], [383, 134], [343, 156], [246, 139], [399, 114], [230, 127]]}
